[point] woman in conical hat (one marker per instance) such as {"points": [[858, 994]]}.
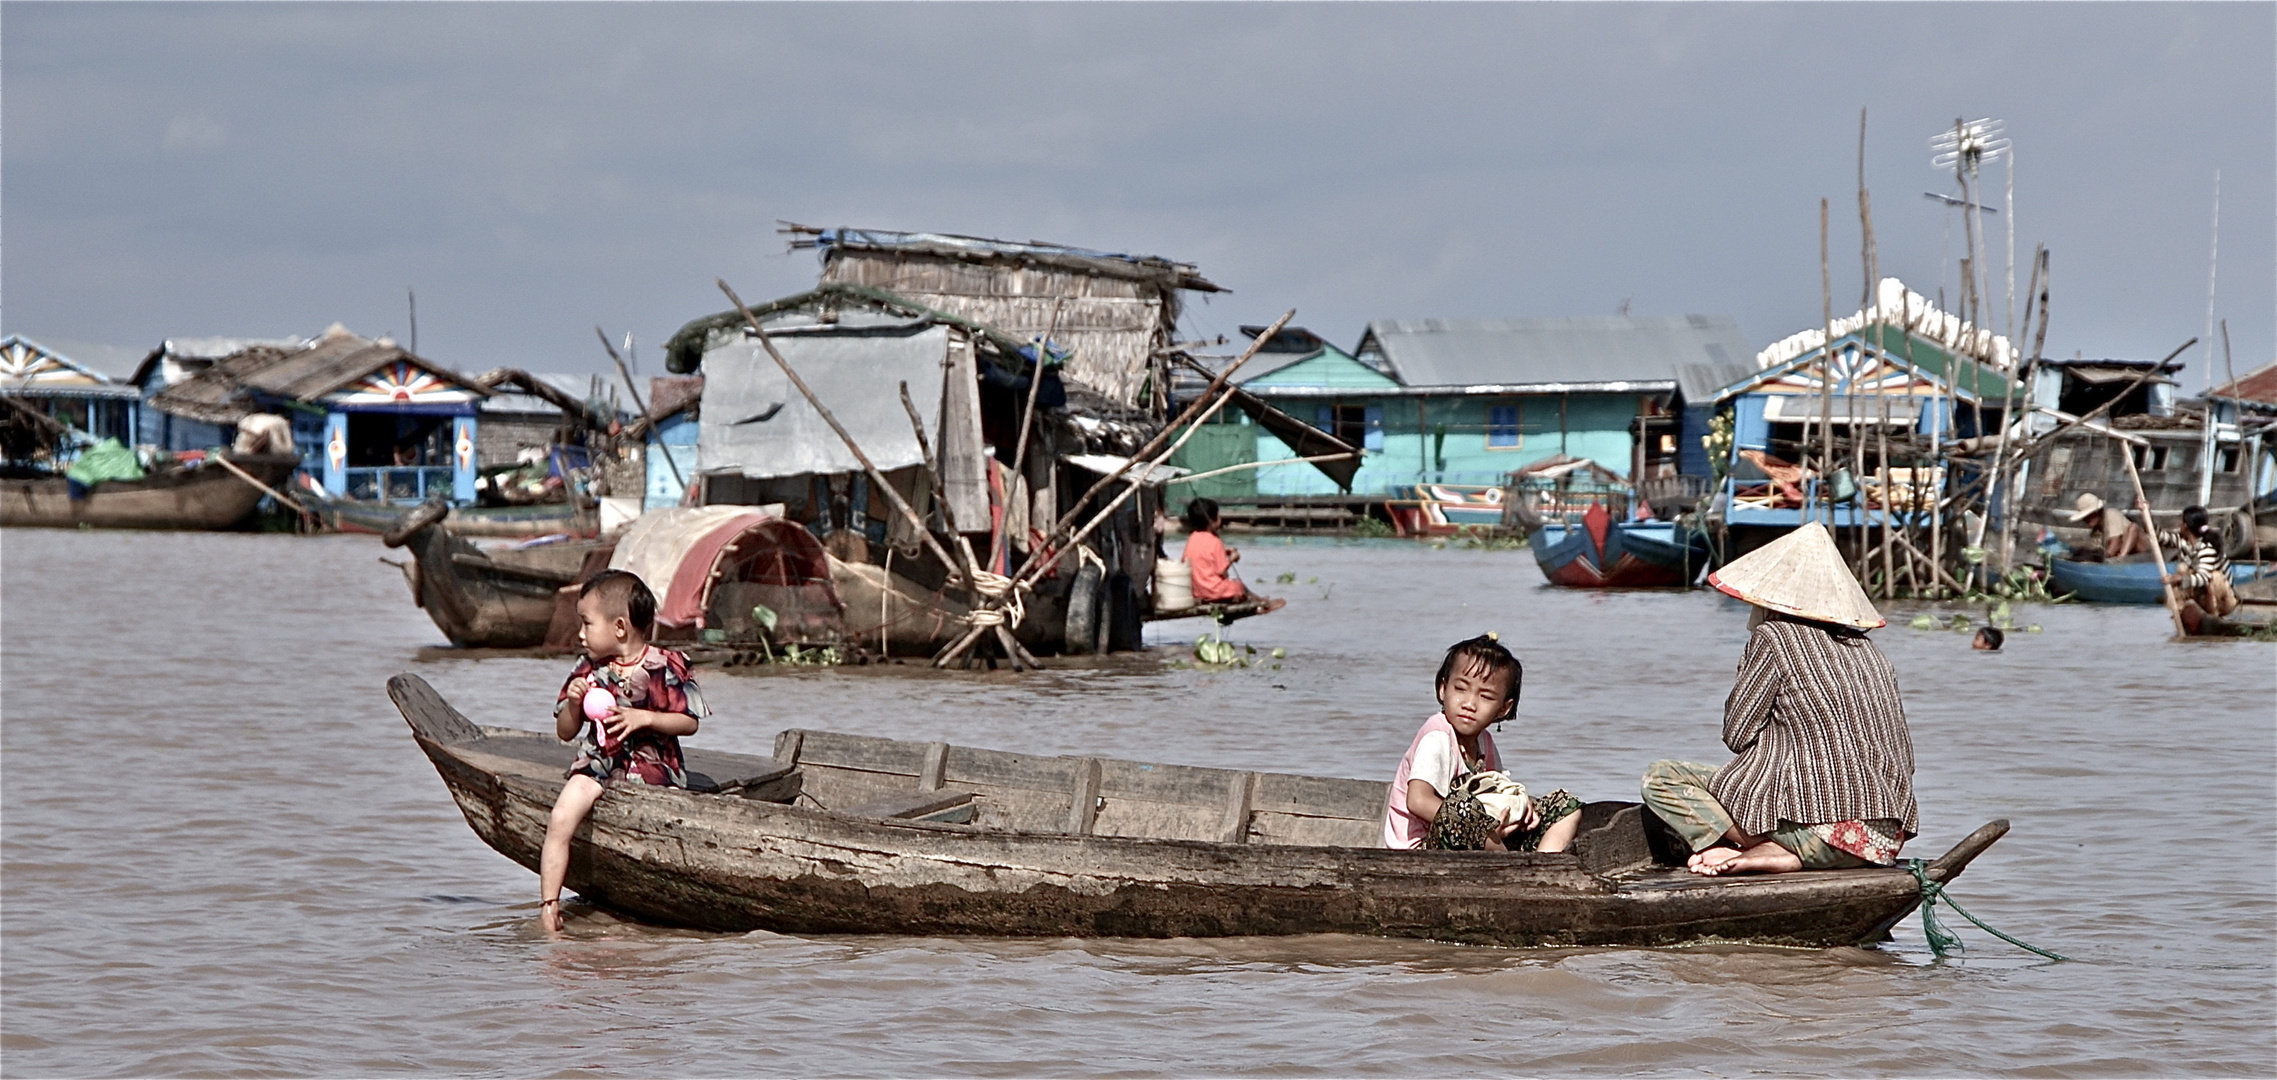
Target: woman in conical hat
{"points": [[1823, 777]]}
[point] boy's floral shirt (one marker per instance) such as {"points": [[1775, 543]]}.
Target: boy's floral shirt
{"points": [[658, 681]]}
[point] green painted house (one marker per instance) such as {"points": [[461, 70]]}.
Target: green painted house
{"points": [[1456, 401]]}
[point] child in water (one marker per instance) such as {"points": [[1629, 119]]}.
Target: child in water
{"points": [[1432, 802], [637, 739]]}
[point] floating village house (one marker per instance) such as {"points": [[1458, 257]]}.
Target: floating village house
{"points": [[957, 321], [68, 392], [178, 360], [1458, 402], [372, 421], [1901, 370]]}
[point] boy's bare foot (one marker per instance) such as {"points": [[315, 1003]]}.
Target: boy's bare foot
{"points": [[549, 916], [1763, 858], [1272, 603]]}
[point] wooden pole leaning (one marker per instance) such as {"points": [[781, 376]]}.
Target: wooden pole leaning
{"points": [[877, 478], [1020, 448], [1190, 419], [626, 372], [2158, 551]]}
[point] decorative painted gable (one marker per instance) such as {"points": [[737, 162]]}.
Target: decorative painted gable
{"points": [[401, 383], [24, 361]]}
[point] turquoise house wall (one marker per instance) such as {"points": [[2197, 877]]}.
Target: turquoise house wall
{"points": [[1445, 440]]}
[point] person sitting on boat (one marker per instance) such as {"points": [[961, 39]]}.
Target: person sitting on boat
{"points": [[1212, 562], [2201, 570], [2110, 534], [1824, 773], [1436, 796], [635, 740]]}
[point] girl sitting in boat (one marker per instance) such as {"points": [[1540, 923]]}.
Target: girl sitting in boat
{"points": [[643, 701], [1212, 561], [1824, 773], [1450, 791]]}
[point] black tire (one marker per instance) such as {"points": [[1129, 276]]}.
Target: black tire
{"points": [[1082, 629]]}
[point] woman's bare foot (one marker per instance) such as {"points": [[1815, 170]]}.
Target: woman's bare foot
{"points": [[1710, 860], [1763, 858]]}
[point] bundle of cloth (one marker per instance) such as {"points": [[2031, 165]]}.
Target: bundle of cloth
{"points": [[1481, 804]]}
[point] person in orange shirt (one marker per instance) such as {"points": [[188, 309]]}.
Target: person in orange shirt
{"points": [[1212, 561]]}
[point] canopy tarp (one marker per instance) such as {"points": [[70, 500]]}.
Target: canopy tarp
{"points": [[755, 423], [658, 546]]}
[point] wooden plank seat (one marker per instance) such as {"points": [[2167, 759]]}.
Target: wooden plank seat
{"points": [[954, 807]]}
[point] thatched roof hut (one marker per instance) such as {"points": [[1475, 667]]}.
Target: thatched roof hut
{"points": [[1116, 311]]}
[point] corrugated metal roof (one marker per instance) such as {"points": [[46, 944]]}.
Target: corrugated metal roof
{"points": [[1586, 349], [2254, 386], [1699, 383]]}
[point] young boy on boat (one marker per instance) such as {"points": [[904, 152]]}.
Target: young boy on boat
{"points": [[1450, 791], [634, 740]]}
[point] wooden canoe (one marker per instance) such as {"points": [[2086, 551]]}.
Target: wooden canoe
{"points": [[852, 834], [205, 498], [492, 598], [503, 522], [2132, 580], [1603, 554]]}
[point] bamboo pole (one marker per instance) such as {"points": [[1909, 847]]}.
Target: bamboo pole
{"points": [[1191, 477], [1889, 576], [1191, 418], [2158, 551], [626, 373], [1020, 448], [1825, 375], [876, 478]]}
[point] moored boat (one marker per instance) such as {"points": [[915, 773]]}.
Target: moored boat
{"points": [[500, 597], [2133, 580], [1600, 553], [506, 522], [207, 497], [841, 833]]}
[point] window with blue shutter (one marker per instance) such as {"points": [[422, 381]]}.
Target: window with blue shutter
{"points": [[1502, 427]]}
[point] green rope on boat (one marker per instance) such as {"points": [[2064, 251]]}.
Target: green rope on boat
{"points": [[1941, 940]]}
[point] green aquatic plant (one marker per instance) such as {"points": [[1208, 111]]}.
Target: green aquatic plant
{"points": [[1373, 527]]}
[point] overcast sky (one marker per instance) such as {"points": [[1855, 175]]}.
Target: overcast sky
{"points": [[534, 169]]}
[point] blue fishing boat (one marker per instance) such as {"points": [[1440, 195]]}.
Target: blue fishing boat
{"points": [[2130, 581], [1597, 552]]}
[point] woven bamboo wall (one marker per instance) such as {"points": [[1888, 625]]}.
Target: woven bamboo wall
{"points": [[1112, 324]]}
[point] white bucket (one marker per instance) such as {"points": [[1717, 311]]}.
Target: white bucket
{"points": [[1173, 585]]}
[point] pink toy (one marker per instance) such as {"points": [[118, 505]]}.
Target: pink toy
{"points": [[599, 703]]}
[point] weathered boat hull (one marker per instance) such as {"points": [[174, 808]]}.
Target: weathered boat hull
{"points": [[736, 864], [206, 498], [492, 599], [500, 522], [2126, 582], [1633, 555]]}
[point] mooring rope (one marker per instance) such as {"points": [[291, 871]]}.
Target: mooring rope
{"points": [[1941, 940], [998, 588]]}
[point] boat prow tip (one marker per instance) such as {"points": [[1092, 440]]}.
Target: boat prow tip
{"points": [[428, 714], [1949, 865]]}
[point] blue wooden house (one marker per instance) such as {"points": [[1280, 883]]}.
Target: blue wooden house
{"points": [[1901, 368], [1462, 401], [91, 402], [372, 421]]}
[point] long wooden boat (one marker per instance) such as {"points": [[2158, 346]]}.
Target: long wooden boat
{"points": [[1598, 553], [851, 834], [504, 522], [491, 598], [2133, 580], [208, 497]]}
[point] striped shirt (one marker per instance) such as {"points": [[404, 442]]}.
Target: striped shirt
{"points": [[1821, 736], [2195, 560]]}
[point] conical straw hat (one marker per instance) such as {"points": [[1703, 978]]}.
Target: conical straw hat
{"points": [[1800, 574]]}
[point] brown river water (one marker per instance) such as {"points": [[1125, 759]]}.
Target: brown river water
{"points": [[222, 853]]}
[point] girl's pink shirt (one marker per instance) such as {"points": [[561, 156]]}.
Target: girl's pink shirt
{"points": [[1206, 554], [1406, 830]]}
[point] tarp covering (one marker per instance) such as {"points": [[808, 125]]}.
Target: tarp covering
{"points": [[106, 460], [656, 544], [755, 423]]}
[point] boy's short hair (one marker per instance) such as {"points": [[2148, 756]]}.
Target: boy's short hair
{"points": [[1200, 511], [1484, 651], [1991, 636], [624, 591]]}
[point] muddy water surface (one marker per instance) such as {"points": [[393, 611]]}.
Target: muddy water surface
{"points": [[223, 855]]}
